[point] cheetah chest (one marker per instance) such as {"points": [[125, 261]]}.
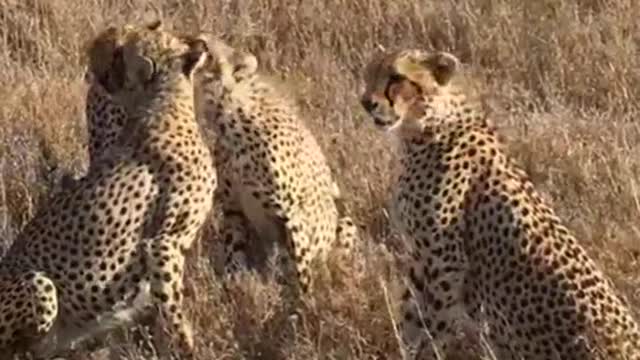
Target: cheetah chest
{"points": [[251, 191]]}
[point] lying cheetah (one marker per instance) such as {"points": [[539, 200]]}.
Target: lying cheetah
{"points": [[113, 245], [480, 234], [272, 173]]}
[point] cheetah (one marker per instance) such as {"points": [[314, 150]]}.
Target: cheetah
{"points": [[484, 246], [105, 119], [273, 176], [112, 246]]}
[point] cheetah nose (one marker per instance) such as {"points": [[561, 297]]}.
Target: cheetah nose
{"points": [[368, 104]]}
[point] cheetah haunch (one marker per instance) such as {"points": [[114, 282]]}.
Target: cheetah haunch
{"points": [[112, 245], [480, 235]]}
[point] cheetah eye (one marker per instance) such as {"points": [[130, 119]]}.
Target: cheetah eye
{"points": [[393, 79]]}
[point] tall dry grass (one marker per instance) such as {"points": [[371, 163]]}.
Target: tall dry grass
{"points": [[563, 80]]}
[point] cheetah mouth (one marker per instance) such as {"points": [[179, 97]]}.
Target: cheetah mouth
{"points": [[381, 123]]}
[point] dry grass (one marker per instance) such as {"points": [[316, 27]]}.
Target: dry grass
{"points": [[563, 79]]}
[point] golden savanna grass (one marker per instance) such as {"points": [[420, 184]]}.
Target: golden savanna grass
{"points": [[562, 79]]}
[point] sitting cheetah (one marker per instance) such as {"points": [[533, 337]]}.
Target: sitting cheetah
{"points": [[480, 235], [113, 244], [272, 173]]}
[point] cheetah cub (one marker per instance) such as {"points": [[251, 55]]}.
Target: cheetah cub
{"points": [[273, 174], [112, 246], [480, 235]]}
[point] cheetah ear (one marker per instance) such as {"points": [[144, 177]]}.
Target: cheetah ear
{"points": [[196, 56], [100, 52], [244, 64], [443, 66]]}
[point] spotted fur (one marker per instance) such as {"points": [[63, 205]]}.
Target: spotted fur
{"points": [[273, 174], [111, 246], [480, 235]]}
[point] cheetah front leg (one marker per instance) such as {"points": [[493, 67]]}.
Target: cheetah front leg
{"points": [[347, 236], [276, 221], [165, 261], [298, 244], [432, 304], [234, 228], [234, 233]]}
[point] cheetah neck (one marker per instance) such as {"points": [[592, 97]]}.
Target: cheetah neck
{"points": [[433, 116], [170, 93], [169, 109], [254, 93], [440, 134], [98, 103], [244, 106]]}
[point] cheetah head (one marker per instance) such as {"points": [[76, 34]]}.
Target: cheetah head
{"points": [[101, 50], [227, 64], [404, 89], [228, 75], [127, 61]]}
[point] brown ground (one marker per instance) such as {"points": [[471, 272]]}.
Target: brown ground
{"points": [[563, 79]]}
